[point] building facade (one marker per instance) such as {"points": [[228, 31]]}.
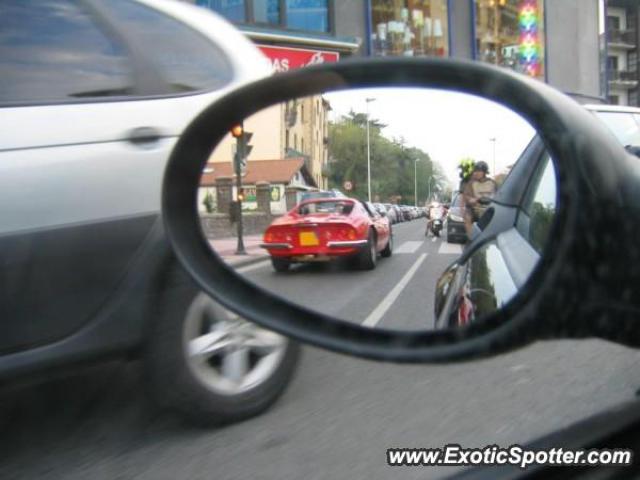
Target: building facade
{"points": [[560, 42], [622, 35], [556, 41]]}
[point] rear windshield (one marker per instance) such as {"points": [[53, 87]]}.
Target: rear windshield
{"points": [[334, 207]]}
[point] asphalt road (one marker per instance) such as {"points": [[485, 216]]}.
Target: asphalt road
{"points": [[336, 420], [398, 294]]}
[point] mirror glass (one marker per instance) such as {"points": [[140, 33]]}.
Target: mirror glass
{"points": [[360, 203]]}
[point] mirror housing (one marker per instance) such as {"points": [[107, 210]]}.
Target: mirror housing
{"points": [[550, 304]]}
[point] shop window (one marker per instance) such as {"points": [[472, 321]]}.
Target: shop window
{"points": [[510, 33], [409, 28]]}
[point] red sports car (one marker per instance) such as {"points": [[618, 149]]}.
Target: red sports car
{"points": [[324, 229]]}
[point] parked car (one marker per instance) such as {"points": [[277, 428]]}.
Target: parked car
{"points": [[406, 213], [456, 231], [381, 210], [91, 109], [398, 213], [391, 213], [327, 229]]}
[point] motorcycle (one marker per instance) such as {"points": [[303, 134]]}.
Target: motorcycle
{"points": [[435, 223], [436, 227]]}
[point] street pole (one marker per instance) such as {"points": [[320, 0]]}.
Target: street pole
{"points": [[415, 180], [240, 250], [493, 141], [367, 101]]}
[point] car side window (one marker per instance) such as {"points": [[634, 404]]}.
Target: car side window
{"points": [[189, 62], [52, 51], [539, 208]]}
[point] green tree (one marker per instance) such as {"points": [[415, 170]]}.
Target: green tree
{"points": [[392, 162]]}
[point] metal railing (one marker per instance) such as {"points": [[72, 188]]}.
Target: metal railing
{"points": [[625, 37], [623, 76]]}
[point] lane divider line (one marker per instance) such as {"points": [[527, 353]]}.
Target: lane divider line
{"points": [[377, 314]]}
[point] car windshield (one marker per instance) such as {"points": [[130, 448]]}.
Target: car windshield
{"points": [[326, 207], [625, 126]]}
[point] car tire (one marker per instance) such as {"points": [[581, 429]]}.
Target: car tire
{"points": [[368, 257], [232, 385], [280, 264], [388, 250]]}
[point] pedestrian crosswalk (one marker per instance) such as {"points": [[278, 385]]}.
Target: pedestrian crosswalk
{"points": [[408, 247], [412, 246]]}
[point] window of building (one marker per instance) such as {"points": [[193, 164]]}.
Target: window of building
{"points": [[510, 33], [232, 10], [614, 99], [613, 23], [409, 28], [286, 139], [266, 11], [307, 15]]}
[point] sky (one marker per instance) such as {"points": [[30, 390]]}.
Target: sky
{"points": [[447, 125]]}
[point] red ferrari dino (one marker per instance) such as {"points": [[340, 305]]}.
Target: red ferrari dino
{"points": [[325, 229]]}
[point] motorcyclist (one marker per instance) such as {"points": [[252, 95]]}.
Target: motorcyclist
{"points": [[436, 212], [478, 190]]}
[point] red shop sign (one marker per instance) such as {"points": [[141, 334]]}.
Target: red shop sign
{"points": [[283, 59]]}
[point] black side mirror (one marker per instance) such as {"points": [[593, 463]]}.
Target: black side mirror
{"points": [[576, 284]]}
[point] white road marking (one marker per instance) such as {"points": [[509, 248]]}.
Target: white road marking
{"points": [[408, 247], [253, 266], [450, 248], [377, 314]]}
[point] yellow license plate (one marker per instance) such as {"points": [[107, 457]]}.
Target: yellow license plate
{"points": [[308, 239]]}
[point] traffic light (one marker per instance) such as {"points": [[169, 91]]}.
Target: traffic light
{"points": [[243, 149], [236, 131]]}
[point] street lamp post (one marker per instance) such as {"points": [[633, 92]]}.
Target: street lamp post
{"points": [[493, 141], [367, 101], [415, 180]]}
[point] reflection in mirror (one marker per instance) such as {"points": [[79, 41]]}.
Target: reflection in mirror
{"points": [[359, 203]]}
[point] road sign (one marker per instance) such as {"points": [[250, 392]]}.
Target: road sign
{"points": [[348, 186]]}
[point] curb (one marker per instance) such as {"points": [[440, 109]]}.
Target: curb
{"points": [[243, 262]]}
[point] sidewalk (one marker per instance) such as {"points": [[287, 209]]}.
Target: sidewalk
{"points": [[226, 248]]}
